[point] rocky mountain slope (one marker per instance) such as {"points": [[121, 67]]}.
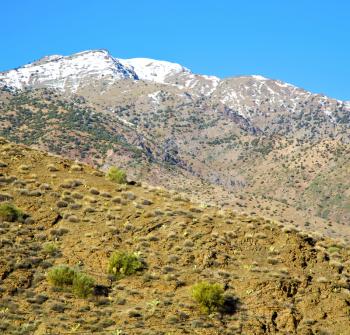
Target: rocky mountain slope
{"points": [[276, 279], [242, 140]]}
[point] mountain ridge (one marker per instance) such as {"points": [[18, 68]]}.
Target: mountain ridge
{"points": [[133, 68]]}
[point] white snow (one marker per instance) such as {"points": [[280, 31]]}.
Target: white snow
{"points": [[155, 98], [330, 115], [258, 77], [282, 84], [153, 70]]}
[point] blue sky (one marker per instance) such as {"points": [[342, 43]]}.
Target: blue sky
{"points": [[304, 42]]}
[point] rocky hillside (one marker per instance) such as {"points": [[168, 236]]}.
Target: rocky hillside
{"points": [[265, 145], [273, 279]]}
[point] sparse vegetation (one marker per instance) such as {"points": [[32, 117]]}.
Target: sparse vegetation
{"points": [[266, 265]]}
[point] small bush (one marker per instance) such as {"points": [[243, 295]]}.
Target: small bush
{"points": [[83, 285], [52, 168], [73, 219], [24, 168], [61, 204], [209, 296], [61, 276], [50, 248], [124, 264], [94, 191], [116, 175], [10, 213], [77, 195], [76, 168], [333, 249], [5, 197]]}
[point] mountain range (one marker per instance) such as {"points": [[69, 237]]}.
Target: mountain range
{"points": [[228, 212], [266, 146]]}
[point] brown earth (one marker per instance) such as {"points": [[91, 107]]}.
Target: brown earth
{"points": [[277, 279]]}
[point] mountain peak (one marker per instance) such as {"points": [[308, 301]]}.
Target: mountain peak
{"points": [[68, 72], [154, 70]]}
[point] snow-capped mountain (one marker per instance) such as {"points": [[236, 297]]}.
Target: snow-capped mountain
{"points": [[250, 96], [68, 72]]}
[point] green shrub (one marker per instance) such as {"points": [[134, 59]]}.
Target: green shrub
{"points": [[82, 285], [61, 276], [124, 264], [333, 249], [11, 213], [79, 283], [116, 175], [209, 296], [50, 248]]}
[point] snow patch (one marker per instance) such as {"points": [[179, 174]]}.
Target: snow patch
{"points": [[153, 70], [258, 77], [282, 84], [330, 115], [154, 97]]}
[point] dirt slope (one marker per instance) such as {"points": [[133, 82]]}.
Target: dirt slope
{"points": [[279, 280]]}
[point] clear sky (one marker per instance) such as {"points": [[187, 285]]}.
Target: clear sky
{"points": [[304, 42]]}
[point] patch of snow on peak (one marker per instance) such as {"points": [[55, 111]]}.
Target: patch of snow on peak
{"points": [[214, 79], [258, 77], [283, 84], [153, 70]]}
